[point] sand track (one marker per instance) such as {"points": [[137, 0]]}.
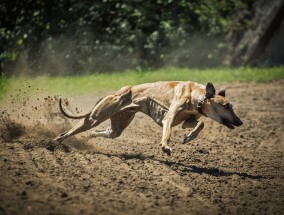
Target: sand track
{"points": [[223, 171]]}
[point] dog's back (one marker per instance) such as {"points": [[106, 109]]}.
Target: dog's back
{"points": [[160, 91]]}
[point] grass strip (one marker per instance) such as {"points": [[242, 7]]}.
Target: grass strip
{"points": [[104, 82]]}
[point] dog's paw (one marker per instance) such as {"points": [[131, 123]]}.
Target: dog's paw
{"points": [[188, 138], [167, 150], [58, 139]]}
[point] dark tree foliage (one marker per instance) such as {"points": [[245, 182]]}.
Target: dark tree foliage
{"points": [[75, 37]]}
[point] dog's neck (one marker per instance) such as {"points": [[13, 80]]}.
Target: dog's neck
{"points": [[197, 100]]}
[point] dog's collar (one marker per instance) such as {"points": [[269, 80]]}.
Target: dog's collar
{"points": [[200, 108]]}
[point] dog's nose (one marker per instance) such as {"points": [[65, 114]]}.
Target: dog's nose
{"points": [[238, 122]]}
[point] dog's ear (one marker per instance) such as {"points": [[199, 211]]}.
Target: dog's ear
{"points": [[210, 90], [222, 92]]}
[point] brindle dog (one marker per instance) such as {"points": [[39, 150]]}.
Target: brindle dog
{"points": [[167, 103]]}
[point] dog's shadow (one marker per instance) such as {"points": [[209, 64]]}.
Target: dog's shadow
{"points": [[181, 168], [178, 167], [208, 170]]}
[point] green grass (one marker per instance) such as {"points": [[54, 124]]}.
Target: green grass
{"points": [[5, 84], [101, 83]]}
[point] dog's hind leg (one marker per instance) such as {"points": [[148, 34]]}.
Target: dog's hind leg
{"points": [[197, 127], [84, 125], [112, 104], [118, 123], [104, 109]]}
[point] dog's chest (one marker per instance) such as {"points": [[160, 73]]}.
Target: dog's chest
{"points": [[157, 111]]}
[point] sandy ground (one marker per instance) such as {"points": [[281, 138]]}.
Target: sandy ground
{"points": [[223, 171]]}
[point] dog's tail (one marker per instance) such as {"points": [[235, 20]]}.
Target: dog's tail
{"points": [[69, 116]]}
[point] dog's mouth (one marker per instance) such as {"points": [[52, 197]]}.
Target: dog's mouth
{"points": [[231, 125], [227, 123]]}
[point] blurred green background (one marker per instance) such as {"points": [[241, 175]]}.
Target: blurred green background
{"points": [[69, 37]]}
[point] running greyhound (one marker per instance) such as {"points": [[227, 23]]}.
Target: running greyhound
{"points": [[167, 103]]}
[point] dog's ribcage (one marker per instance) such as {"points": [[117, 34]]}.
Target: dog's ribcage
{"points": [[155, 109]]}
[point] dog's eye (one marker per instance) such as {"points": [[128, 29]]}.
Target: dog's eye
{"points": [[227, 106]]}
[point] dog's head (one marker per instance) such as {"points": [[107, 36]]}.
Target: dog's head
{"points": [[219, 108]]}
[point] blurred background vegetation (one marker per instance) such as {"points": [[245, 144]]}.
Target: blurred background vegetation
{"points": [[69, 37]]}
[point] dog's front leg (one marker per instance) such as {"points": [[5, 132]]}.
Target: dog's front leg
{"points": [[167, 125], [197, 125]]}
